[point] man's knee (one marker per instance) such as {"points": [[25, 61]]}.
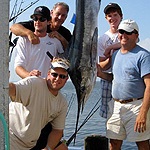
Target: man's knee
{"points": [[115, 144], [143, 145]]}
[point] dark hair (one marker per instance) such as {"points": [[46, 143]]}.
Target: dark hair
{"points": [[114, 10]]}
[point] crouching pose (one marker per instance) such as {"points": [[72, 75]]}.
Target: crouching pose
{"points": [[35, 102]]}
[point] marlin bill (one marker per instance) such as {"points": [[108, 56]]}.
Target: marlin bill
{"points": [[82, 50]]}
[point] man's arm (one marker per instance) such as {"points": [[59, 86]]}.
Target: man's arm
{"points": [[23, 73], [140, 124], [20, 30], [54, 138], [111, 49], [105, 63], [12, 89], [104, 75], [63, 41]]}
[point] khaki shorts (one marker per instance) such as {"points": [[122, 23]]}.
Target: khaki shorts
{"points": [[121, 121]]}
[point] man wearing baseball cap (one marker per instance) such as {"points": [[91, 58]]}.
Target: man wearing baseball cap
{"points": [[108, 42], [31, 60], [42, 11], [129, 111], [55, 29], [112, 6], [129, 26], [35, 102]]}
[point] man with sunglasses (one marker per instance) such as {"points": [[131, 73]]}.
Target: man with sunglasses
{"points": [[129, 111], [55, 29], [31, 60], [35, 102]]}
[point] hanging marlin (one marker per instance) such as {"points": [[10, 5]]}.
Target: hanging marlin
{"points": [[82, 51]]}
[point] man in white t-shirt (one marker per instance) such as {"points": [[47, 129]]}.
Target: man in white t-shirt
{"points": [[106, 43], [31, 60], [35, 102]]}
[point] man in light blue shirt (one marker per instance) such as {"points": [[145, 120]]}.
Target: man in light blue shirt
{"points": [[129, 112]]}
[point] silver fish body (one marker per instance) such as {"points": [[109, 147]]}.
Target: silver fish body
{"points": [[83, 50]]}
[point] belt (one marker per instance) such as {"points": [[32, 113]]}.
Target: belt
{"points": [[127, 101]]}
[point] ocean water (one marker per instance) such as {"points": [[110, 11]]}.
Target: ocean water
{"points": [[94, 126]]}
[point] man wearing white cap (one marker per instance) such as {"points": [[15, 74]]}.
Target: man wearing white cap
{"points": [[129, 112], [35, 102]]}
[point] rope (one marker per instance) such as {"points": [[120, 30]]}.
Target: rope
{"points": [[5, 131], [70, 103], [91, 113]]}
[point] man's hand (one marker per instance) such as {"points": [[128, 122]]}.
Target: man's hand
{"points": [[111, 49], [20, 30], [99, 70], [108, 52], [55, 34], [34, 39], [63, 41], [140, 125], [35, 73]]}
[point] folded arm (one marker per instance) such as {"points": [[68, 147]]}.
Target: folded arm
{"points": [[12, 89], [63, 41], [20, 30], [105, 63], [111, 49], [104, 75]]}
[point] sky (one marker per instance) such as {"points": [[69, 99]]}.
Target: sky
{"points": [[137, 10]]}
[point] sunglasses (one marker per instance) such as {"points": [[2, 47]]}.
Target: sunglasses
{"points": [[60, 75], [41, 19], [127, 33]]}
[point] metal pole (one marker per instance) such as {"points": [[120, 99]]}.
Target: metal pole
{"points": [[4, 66]]}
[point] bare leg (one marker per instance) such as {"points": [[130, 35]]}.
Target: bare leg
{"points": [[143, 145], [115, 144]]}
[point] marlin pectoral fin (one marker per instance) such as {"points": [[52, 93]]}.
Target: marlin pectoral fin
{"points": [[94, 47]]}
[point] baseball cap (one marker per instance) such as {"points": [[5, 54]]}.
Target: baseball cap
{"points": [[128, 25], [112, 5], [59, 64], [42, 11]]}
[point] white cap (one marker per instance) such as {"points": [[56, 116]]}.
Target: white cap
{"points": [[59, 64], [128, 25]]}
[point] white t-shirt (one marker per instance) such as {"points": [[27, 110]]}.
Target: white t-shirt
{"points": [[106, 40], [33, 107], [31, 56]]}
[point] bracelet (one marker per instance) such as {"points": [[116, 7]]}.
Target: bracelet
{"points": [[48, 148]]}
